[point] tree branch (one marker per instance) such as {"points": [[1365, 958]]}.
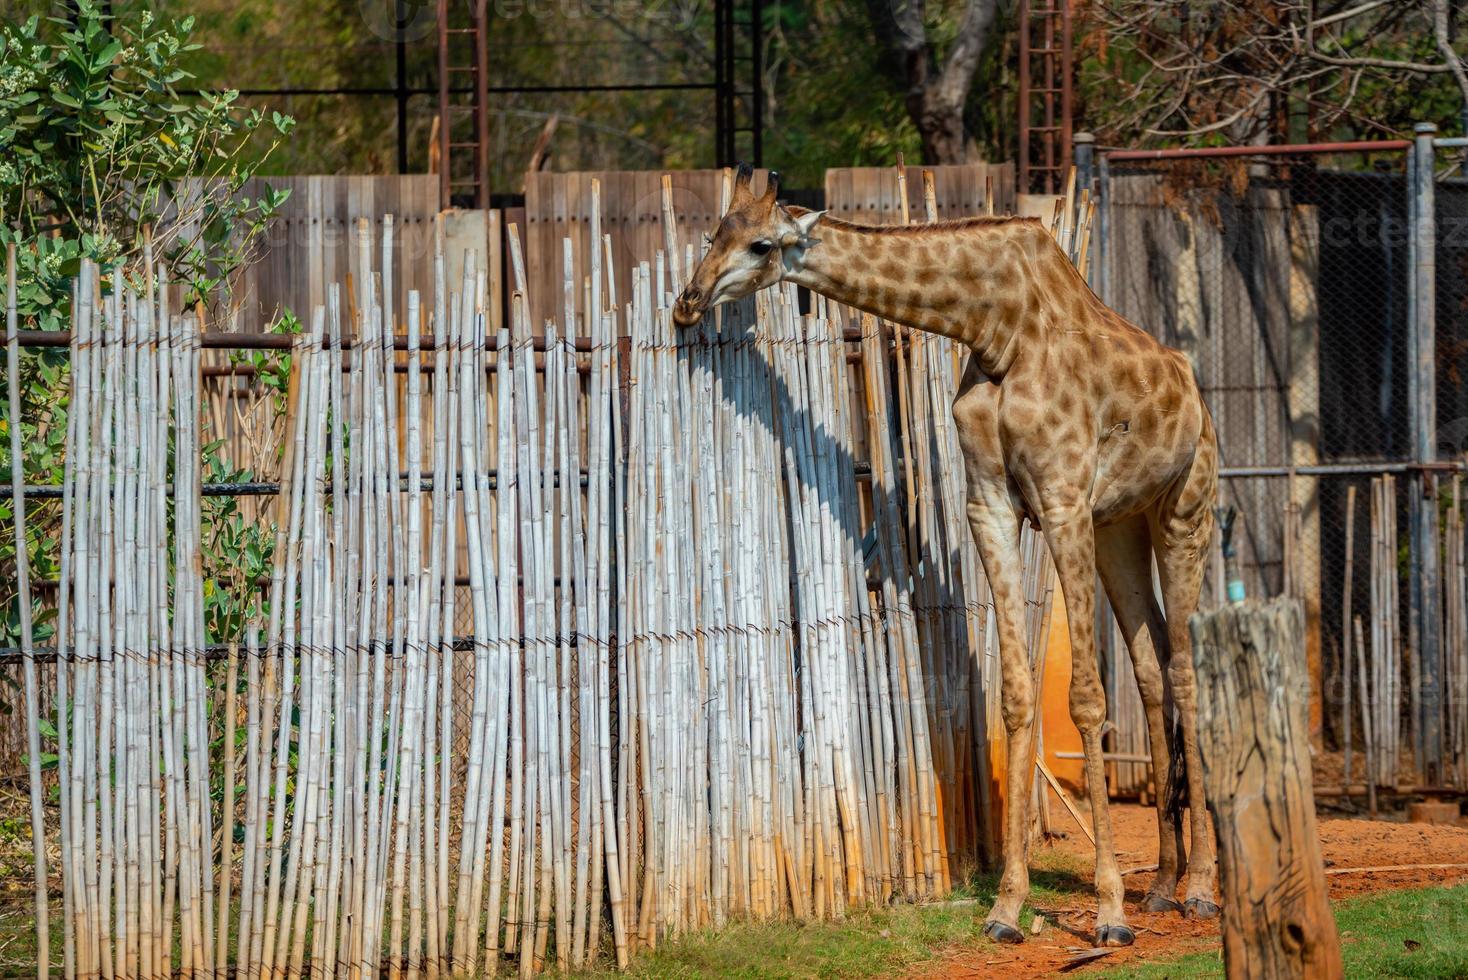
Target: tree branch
{"points": [[1443, 35], [1348, 14]]}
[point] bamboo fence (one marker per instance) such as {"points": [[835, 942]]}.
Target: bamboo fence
{"points": [[637, 735], [583, 632], [1455, 617]]}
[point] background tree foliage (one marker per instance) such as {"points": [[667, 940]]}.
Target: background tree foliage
{"points": [[845, 81], [1164, 72], [833, 91], [104, 148]]}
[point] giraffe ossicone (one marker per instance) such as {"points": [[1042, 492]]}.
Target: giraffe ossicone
{"points": [[1067, 414]]}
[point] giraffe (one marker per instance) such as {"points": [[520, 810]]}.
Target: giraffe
{"points": [[1068, 416]]}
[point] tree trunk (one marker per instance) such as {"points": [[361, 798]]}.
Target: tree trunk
{"points": [[940, 124], [1253, 729], [938, 82]]}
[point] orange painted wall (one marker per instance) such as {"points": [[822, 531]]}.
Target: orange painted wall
{"points": [[1060, 732]]}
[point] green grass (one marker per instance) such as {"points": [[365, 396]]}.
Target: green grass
{"points": [[1419, 933], [1377, 933], [871, 942]]}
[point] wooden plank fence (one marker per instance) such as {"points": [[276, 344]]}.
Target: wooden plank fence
{"points": [[872, 194], [309, 245]]}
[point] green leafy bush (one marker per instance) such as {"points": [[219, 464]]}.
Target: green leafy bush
{"points": [[103, 156], [103, 150]]}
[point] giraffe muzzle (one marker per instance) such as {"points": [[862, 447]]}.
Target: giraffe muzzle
{"points": [[688, 308]]}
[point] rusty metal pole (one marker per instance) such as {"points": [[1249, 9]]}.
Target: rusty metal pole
{"points": [[443, 103], [400, 90], [481, 103], [1102, 261], [1024, 97], [1048, 114], [1067, 88]]}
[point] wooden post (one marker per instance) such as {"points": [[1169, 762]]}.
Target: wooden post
{"points": [[1253, 716]]}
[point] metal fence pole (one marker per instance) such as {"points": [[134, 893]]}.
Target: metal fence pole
{"points": [[1425, 284], [1083, 151], [1426, 588]]}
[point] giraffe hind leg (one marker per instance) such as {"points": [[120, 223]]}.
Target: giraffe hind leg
{"points": [[1124, 559], [1182, 534]]}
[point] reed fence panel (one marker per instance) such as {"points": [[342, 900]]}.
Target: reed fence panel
{"points": [[588, 631], [702, 676]]}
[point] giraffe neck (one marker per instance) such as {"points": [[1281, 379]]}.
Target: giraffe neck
{"points": [[979, 282]]}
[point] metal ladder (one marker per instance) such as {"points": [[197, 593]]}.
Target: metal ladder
{"points": [[738, 33], [1045, 92], [463, 104]]}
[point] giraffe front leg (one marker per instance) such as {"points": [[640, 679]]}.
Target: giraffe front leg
{"points": [[996, 530], [1124, 558], [1070, 535]]}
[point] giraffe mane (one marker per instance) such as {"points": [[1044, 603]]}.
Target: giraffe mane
{"points": [[924, 228]]}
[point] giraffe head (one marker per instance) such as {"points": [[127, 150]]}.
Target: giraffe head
{"points": [[758, 242]]}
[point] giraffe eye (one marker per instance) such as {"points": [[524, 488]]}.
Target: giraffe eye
{"points": [[761, 247]]}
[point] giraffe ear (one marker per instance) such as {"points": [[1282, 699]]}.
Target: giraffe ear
{"points": [[796, 229], [806, 222]]}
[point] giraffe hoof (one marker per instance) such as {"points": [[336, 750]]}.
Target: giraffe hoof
{"points": [[1001, 933], [1160, 903], [1199, 908], [1114, 936]]}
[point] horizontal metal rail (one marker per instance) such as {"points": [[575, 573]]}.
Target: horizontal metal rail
{"points": [[220, 340], [1341, 469], [219, 651], [268, 489], [1288, 149], [862, 470]]}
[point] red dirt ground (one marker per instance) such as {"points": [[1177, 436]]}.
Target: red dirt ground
{"points": [[1346, 843]]}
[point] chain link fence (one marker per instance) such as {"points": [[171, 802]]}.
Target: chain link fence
{"points": [[1290, 279]]}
